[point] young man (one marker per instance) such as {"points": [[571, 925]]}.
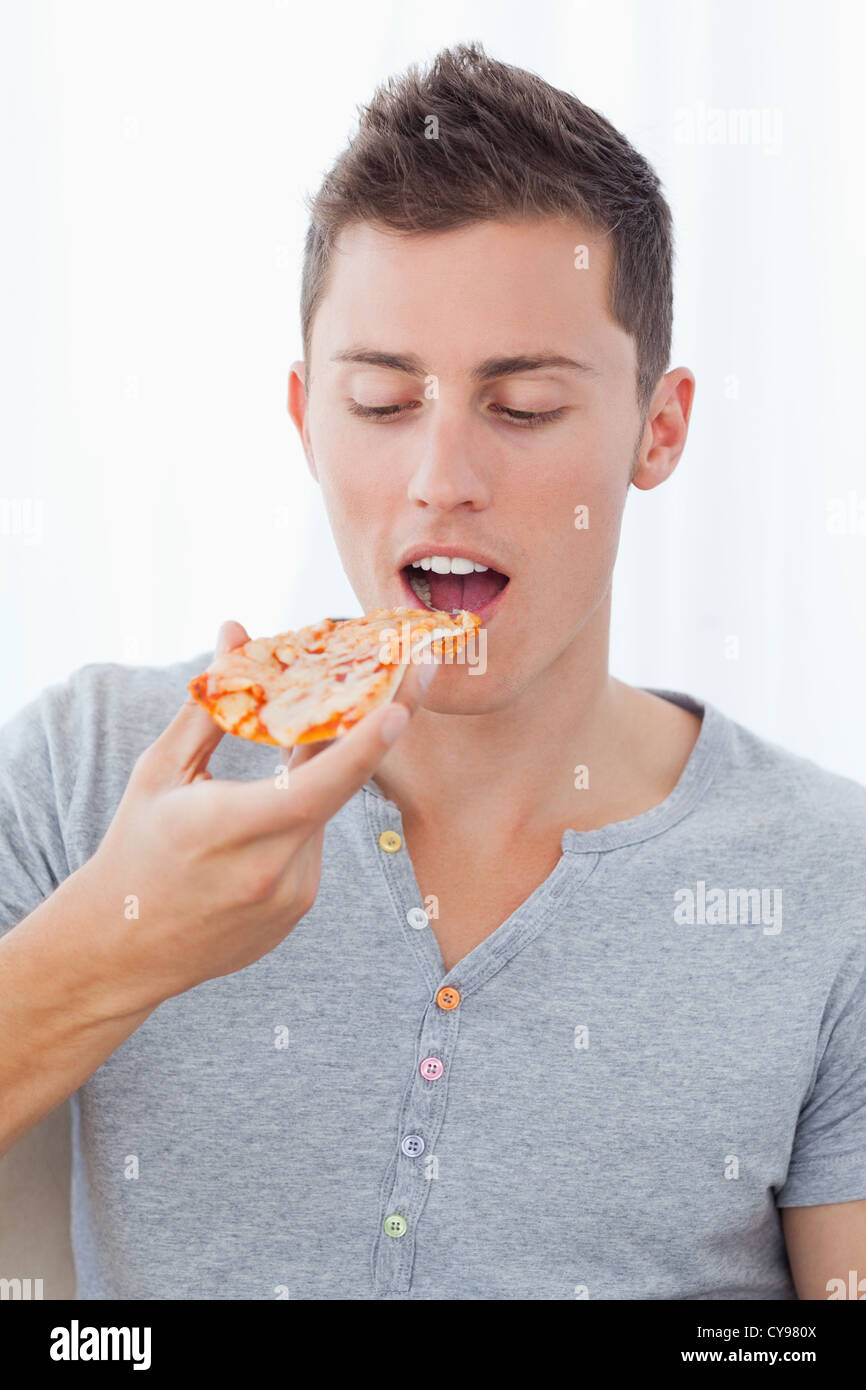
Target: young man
{"points": [[507, 1008]]}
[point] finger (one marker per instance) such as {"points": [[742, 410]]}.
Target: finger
{"points": [[303, 752], [415, 681], [319, 785], [184, 747], [230, 635]]}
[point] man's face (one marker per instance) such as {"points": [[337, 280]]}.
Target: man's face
{"points": [[444, 450]]}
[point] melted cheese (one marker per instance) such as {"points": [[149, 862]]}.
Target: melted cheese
{"points": [[320, 681]]}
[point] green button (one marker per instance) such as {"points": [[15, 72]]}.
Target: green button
{"points": [[396, 1225]]}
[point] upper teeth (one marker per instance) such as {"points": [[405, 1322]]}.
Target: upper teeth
{"points": [[447, 564]]}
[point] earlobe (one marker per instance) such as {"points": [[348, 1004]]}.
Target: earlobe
{"points": [[668, 419], [652, 472]]}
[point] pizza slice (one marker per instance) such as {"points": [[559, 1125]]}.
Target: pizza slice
{"points": [[318, 682]]}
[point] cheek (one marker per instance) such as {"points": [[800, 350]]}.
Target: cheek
{"points": [[346, 478], [594, 487], [360, 516], [356, 497], [571, 526], [574, 499]]}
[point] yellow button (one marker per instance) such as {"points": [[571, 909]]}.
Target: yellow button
{"points": [[447, 998], [389, 841]]}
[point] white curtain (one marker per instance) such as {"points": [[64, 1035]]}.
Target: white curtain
{"points": [[155, 156]]}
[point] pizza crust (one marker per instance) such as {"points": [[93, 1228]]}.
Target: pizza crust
{"points": [[319, 682]]}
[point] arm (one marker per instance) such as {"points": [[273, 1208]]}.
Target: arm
{"points": [[823, 1201], [58, 1018], [825, 1243], [225, 871]]}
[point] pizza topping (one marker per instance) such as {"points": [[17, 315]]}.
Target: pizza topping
{"points": [[318, 682]]}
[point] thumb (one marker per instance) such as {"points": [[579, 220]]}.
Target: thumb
{"points": [[184, 747]]}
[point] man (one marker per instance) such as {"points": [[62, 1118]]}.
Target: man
{"points": [[561, 993]]}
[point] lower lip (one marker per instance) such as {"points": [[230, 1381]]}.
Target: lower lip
{"points": [[483, 612]]}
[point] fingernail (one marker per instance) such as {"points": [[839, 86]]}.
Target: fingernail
{"points": [[395, 720]]}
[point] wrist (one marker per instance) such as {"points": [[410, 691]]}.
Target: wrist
{"points": [[90, 945]]}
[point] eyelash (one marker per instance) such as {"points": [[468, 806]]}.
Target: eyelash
{"points": [[524, 419]]}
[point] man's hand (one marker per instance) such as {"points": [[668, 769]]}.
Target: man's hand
{"points": [[221, 870]]}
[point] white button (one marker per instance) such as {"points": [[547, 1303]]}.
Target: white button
{"points": [[417, 918]]}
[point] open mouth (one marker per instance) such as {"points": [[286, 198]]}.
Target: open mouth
{"points": [[449, 583]]}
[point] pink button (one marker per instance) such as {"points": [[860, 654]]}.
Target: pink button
{"points": [[431, 1068]]}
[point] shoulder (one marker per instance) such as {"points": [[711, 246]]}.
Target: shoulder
{"points": [[65, 758], [114, 703], [788, 824], [747, 784], [101, 682], [787, 790], [92, 724]]}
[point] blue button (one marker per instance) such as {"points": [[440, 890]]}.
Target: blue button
{"points": [[413, 1145]]}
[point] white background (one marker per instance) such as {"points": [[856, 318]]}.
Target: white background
{"points": [[155, 158]]}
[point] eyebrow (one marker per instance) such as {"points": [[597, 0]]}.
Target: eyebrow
{"points": [[488, 370]]}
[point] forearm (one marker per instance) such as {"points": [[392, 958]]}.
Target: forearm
{"points": [[59, 1016]]}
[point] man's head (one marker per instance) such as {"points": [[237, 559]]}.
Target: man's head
{"points": [[486, 251]]}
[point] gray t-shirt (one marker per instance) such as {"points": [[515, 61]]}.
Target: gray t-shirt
{"points": [[661, 1046]]}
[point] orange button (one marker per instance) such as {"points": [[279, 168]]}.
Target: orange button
{"points": [[447, 997]]}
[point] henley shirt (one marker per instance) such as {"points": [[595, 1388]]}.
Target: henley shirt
{"points": [[610, 1097]]}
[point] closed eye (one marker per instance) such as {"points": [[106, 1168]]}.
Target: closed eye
{"points": [[379, 412], [524, 419], [528, 418]]}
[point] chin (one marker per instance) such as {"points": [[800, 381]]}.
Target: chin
{"points": [[455, 690]]}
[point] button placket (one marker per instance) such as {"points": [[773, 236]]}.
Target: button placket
{"points": [[404, 1187], [419, 1125], [386, 827]]}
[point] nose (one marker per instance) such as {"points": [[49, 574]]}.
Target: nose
{"points": [[445, 475]]}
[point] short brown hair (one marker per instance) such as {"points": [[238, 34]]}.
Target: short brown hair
{"points": [[509, 145]]}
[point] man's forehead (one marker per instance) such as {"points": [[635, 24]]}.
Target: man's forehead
{"points": [[520, 278], [560, 238]]}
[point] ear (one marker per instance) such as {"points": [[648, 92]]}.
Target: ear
{"points": [[298, 411], [665, 430]]}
